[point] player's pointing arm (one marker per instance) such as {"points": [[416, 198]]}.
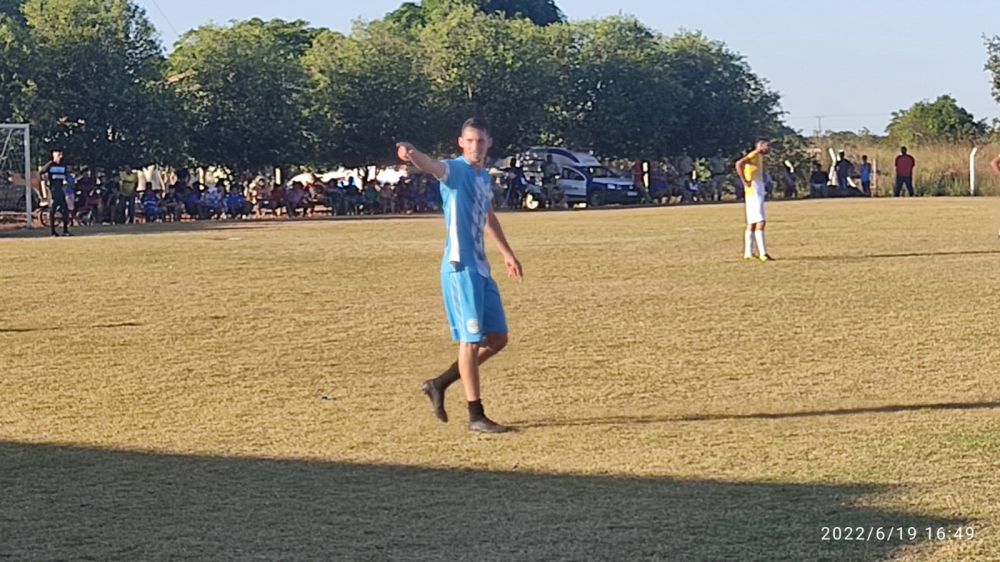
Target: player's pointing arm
{"points": [[426, 164]]}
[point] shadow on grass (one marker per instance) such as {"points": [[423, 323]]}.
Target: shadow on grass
{"points": [[894, 256], [61, 328], [201, 225], [79, 503], [628, 420]]}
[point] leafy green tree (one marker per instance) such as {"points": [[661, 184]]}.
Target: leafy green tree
{"points": [[243, 91], [615, 93], [490, 67], [942, 120], [97, 82], [540, 12], [14, 72], [368, 92], [725, 106]]}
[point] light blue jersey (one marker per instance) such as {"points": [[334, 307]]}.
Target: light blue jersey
{"points": [[466, 196], [471, 299]]}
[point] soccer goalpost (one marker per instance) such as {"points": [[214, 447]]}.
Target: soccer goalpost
{"points": [[15, 170]]}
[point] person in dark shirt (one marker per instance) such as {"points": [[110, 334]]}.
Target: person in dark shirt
{"points": [[845, 169], [55, 174], [818, 181]]}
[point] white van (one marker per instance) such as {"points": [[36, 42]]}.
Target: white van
{"points": [[584, 179]]}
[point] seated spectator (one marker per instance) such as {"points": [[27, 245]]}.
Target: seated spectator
{"points": [[296, 199], [236, 204], [151, 206], [173, 202], [192, 201], [260, 190], [276, 200], [818, 181], [211, 202]]}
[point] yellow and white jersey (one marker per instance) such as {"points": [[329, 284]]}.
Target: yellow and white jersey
{"points": [[754, 195], [753, 172]]}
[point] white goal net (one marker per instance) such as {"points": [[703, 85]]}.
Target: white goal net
{"points": [[18, 196]]}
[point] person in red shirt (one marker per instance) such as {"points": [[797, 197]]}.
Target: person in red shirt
{"points": [[904, 172]]}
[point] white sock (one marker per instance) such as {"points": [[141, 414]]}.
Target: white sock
{"points": [[761, 249], [747, 244]]}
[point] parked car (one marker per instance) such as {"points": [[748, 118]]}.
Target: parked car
{"points": [[583, 178]]}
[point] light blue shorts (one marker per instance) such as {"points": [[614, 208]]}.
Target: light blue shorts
{"points": [[472, 304]]}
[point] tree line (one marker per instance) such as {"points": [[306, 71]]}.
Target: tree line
{"points": [[92, 78]]}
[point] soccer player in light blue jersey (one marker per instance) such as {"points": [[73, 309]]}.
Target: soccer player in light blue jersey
{"points": [[471, 298]]}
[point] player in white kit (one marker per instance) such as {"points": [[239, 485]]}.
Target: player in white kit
{"points": [[750, 170]]}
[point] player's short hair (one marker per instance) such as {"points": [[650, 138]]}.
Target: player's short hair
{"points": [[762, 139], [477, 123]]}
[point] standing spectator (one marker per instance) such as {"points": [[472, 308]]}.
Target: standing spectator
{"points": [[516, 185], [550, 183], [369, 196], [332, 196], [818, 181], [129, 183], [720, 169], [865, 173], [788, 181], [55, 174], [388, 199], [904, 173], [685, 167], [640, 177], [768, 185], [352, 196], [844, 169]]}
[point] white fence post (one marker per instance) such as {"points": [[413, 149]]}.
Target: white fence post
{"points": [[972, 170]]}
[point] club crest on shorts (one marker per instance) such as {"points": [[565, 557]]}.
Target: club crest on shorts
{"points": [[472, 326]]}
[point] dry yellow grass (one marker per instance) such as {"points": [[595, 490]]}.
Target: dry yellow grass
{"points": [[160, 389]]}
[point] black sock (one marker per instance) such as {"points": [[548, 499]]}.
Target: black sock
{"points": [[476, 412], [448, 377]]}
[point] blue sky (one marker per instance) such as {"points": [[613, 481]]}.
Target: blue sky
{"points": [[852, 61]]}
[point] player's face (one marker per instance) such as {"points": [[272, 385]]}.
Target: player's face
{"points": [[475, 144], [763, 147], [57, 157]]}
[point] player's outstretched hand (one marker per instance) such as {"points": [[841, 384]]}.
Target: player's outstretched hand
{"points": [[403, 151], [514, 270]]}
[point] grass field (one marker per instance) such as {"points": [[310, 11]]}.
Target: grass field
{"points": [[162, 390]]}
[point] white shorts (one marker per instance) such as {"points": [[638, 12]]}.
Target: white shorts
{"points": [[754, 199]]}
